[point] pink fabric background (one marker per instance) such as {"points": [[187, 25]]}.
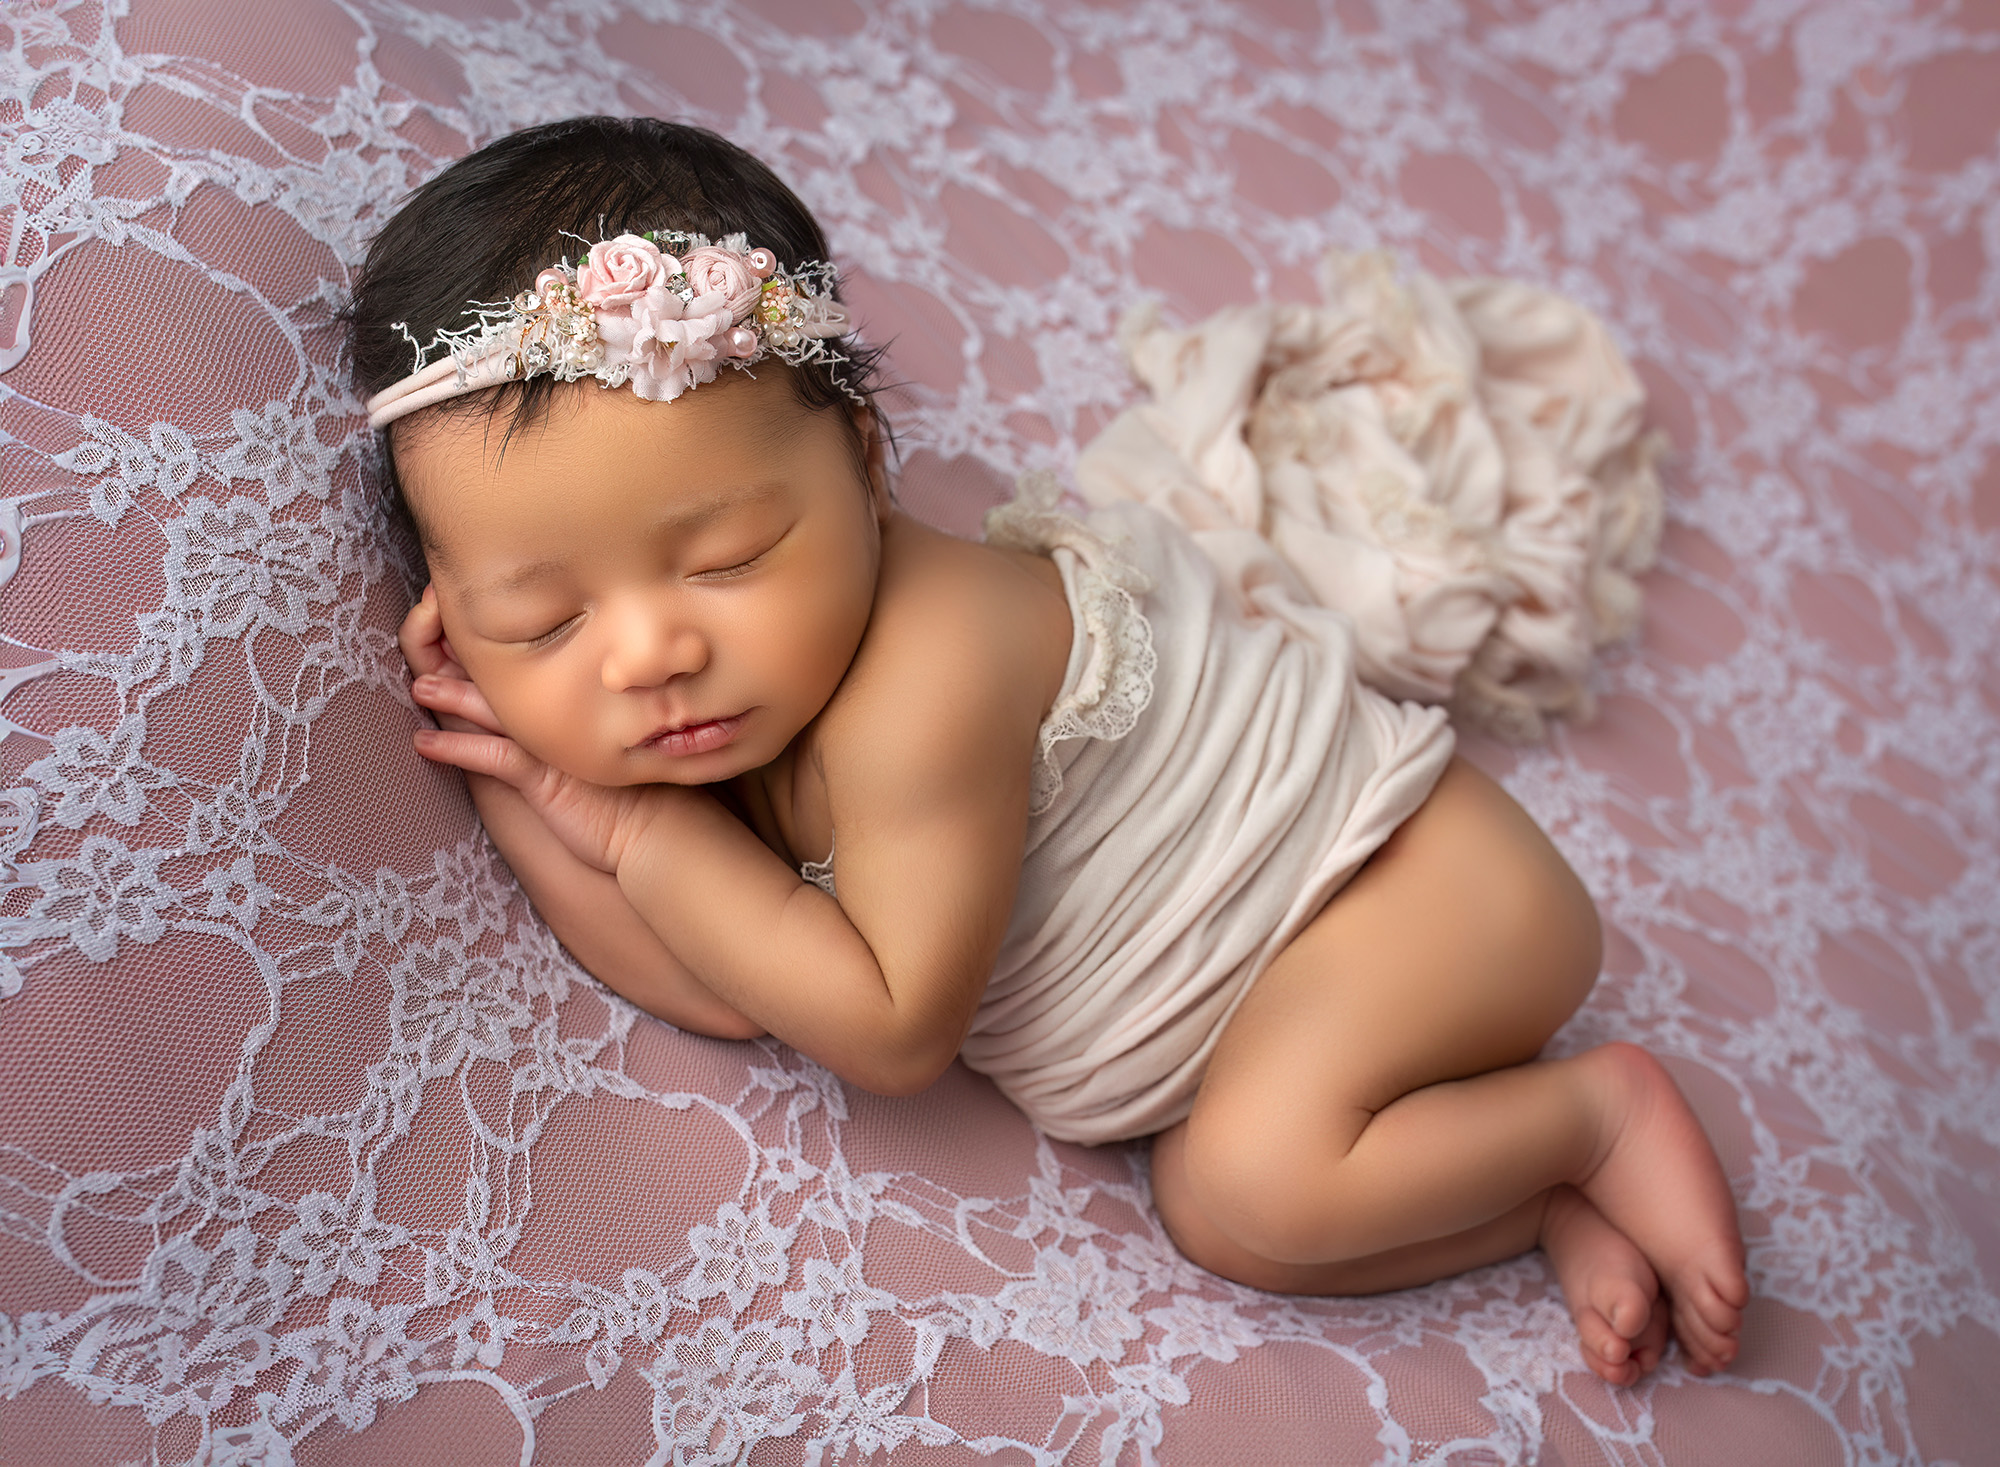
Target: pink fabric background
{"points": [[314, 1148]]}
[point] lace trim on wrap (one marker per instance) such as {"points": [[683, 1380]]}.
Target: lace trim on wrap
{"points": [[1117, 680], [820, 873]]}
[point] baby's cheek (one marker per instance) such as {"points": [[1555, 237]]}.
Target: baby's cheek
{"points": [[563, 747], [524, 711], [813, 656]]}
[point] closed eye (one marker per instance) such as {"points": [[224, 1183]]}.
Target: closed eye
{"points": [[730, 572], [553, 634]]}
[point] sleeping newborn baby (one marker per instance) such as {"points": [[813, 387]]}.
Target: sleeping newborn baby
{"points": [[770, 756]]}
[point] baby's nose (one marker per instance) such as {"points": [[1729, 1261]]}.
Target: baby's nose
{"points": [[647, 650]]}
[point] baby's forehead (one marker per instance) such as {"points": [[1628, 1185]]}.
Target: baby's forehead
{"points": [[503, 463], [467, 518], [426, 489]]}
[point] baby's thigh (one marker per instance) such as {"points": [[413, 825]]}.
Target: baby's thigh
{"points": [[1460, 947]]}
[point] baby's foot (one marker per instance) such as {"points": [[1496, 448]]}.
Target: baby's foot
{"points": [[1660, 1185], [1613, 1293]]}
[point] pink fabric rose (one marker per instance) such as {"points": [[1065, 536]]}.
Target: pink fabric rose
{"points": [[669, 344], [620, 271], [715, 271]]}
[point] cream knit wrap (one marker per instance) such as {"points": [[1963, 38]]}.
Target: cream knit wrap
{"points": [[1417, 491]]}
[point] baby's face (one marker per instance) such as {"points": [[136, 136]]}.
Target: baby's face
{"points": [[651, 592]]}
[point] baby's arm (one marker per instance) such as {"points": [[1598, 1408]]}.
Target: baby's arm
{"points": [[881, 985], [586, 910], [582, 906], [928, 766]]}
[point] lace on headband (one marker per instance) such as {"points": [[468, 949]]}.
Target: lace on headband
{"points": [[659, 311]]}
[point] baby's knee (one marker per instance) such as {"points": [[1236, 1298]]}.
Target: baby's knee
{"points": [[1247, 1194], [1188, 1222]]}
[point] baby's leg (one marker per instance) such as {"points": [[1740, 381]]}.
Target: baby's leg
{"points": [[1369, 1104], [1610, 1287]]}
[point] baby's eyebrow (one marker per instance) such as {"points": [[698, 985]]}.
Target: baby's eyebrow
{"points": [[515, 580], [695, 516], [689, 518], [716, 506]]}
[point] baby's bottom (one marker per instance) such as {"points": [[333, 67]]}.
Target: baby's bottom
{"points": [[1374, 1118]]}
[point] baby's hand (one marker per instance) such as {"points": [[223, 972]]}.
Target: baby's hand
{"points": [[440, 683], [595, 822], [592, 821]]}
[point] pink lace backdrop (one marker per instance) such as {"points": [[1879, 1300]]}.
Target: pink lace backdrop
{"points": [[314, 1146]]}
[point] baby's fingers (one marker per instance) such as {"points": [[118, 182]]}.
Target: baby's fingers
{"points": [[479, 753], [457, 699]]}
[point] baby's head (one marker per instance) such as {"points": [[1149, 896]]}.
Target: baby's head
{"points": [[644, 590]]}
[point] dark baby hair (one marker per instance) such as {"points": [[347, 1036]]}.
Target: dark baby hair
{"points": [[482, 229]]}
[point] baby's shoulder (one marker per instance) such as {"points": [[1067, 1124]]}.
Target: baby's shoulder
{"points": [[965, 650]]}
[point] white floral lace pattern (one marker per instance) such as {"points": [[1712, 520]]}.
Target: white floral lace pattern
{"points": [[309, 1130]]}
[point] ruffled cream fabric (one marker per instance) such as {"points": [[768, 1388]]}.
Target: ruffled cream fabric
{"points": [[1212, 773], [1456, 466]]}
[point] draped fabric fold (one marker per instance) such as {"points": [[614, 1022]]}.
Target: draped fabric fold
{"points": [[1459, 467], [1219, 774]]}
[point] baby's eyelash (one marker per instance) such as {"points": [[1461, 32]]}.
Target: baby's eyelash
{"points": [[729, 572], [551, 634], [720, 573]]}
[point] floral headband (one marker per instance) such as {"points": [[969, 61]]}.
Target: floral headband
{"points": [[634, 313]]}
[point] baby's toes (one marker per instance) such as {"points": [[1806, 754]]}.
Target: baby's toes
{"points": [[1601, 1339], [1605, 1351], [1708, 1348], [1625, 1305], [1733, 1287], [1712, 1301], [1651, 1343], [1721, 1319], [1627, 1374]]}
